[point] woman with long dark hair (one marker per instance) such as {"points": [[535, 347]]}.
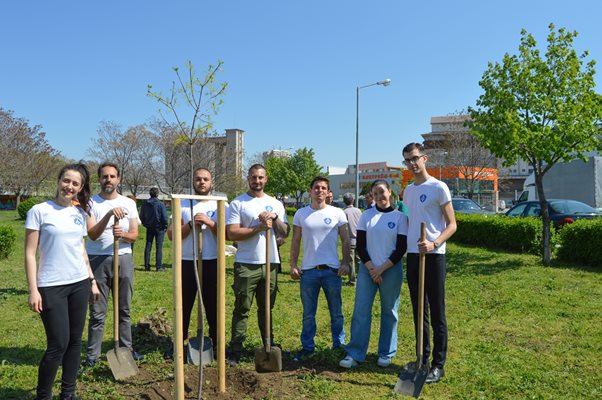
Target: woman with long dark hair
{"points": [[381, 243], [62, 282]]}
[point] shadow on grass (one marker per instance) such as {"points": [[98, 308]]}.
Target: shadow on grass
{"points": [[12, 291], [15, 394], [462, 262], [20, 356]]}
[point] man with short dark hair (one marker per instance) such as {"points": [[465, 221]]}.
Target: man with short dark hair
{"points": [[113, 216], [320, 226], [353, 215], [249, 216], [429, 201], [153, 215]]}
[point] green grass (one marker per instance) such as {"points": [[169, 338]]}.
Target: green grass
{"points": [[516, 330]]}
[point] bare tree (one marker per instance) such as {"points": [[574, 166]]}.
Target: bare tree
{"points": [[26, 157], [201, 98]]}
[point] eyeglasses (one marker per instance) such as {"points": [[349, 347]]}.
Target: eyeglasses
{"points": [[413, 160]]}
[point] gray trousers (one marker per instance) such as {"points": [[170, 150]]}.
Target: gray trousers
{"points": [[102, 266]]}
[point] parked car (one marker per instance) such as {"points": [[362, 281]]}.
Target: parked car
{"points": [[468, 206], [561, 211]]}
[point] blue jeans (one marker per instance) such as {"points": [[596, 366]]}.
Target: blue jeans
{"points": [[361, 321], [311, 282], [158, 234]]}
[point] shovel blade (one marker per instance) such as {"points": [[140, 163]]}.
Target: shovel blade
{"points": [[198, 356], [268, 361], [411, 381], [122, 363]]}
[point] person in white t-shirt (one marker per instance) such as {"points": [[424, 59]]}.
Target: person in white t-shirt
{"points": [[320, 226], [63, 283], [249, 216], [429, 201], [205, 221], [381, 243], [107, 207]]}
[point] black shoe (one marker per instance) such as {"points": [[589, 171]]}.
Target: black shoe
{"points": [[234, 358], [302, 355], [147, 269], [137, 356], [162, 269], [435, 375], [89, 363]]}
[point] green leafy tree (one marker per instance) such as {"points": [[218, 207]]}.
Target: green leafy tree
{"points": [[542, 109], [201, 98], [303, 167], [279, 176]]}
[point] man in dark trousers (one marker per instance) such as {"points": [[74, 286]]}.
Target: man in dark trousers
{"points": [[153, 216]]}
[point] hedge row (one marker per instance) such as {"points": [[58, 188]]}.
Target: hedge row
{"points": [[26, 205], [8, 238], [500, 232], [581, 242]]}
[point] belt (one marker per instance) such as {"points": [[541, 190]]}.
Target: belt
{"points": [[322, 267]]}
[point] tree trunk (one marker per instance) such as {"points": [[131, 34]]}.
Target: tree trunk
{"points": [[545, 216]]}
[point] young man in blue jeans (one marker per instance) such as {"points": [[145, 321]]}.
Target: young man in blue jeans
{"points": [[320, 225]]}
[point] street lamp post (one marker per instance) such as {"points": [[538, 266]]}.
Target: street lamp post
{"points": [[385, 82]]}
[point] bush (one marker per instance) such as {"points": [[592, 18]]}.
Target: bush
{"points": [[501, 232], [581, 242], [290, 211], [8, 238], [26, 205]]}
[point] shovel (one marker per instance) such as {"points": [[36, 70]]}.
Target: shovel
{"points": [[120, 359], [200, 348], [412, 378], [268, 358]]}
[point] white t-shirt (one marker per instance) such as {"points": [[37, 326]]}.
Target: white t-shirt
{"points": [[381, 232], [61, 243], [244, 210], [424, 203], [104, 244], [209, 239], [320, 233]]}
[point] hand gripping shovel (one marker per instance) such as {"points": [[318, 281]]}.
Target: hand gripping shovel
{"points": [[411, 379], [268, 358], [120, 359], [200, 348]]}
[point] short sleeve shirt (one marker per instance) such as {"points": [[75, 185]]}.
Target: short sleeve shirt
{"points": [[104, 244], [209, 242], [61, 243], [320, 233], [381, 230]]}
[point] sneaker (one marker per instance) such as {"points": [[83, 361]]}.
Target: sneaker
{"points": [[234, 358], [383, 362], [435, 375], [348, 362], [302, 354], [89, 362], [137, 356], [161, 269]]}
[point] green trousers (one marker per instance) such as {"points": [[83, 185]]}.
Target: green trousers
{"points": [[249, 282]]}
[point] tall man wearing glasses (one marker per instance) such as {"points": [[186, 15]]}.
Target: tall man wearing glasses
{"points": [[429, 201]]}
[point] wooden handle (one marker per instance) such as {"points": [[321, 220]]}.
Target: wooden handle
{"points": [[116, 286], [420, 322], [268, 245], [200, 269]]}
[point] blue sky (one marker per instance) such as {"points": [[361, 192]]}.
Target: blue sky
{"points": [[292, 67]]}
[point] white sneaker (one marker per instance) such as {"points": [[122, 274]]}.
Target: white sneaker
{"points": [[348, 362], [383, 362]]}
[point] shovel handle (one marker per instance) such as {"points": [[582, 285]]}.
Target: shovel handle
{"points": [[116, 286], [268, 252], [200, 269], [420, 320]]}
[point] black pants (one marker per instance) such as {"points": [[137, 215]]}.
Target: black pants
{"points": [[208, 292], [434, 302], [64, 316]]}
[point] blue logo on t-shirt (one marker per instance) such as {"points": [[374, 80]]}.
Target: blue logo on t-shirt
{"points": [[210, 213], [422, 198], [78, 220], [269, 208], [391, 225], [327, 221]]}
